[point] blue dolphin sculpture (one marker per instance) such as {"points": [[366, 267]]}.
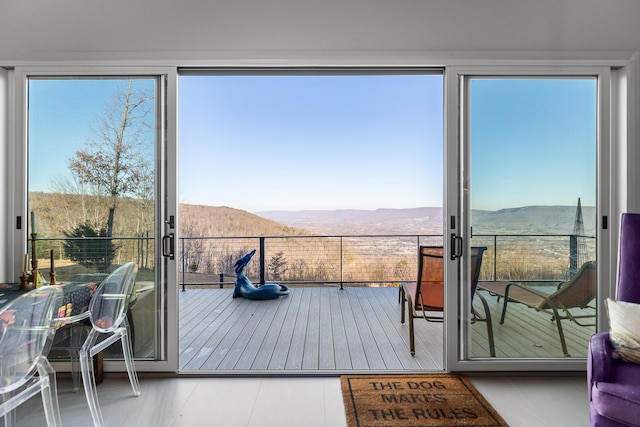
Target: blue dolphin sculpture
{"points": [[244, 287]]}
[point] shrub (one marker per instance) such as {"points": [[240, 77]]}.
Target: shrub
{"points": [[88, 245]]}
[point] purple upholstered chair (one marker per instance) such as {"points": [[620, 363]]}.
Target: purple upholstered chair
{"points": [[614, 384]]}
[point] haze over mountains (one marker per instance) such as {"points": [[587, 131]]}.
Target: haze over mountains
{"points": [[354, 221], [521, 220], [58, 212]]}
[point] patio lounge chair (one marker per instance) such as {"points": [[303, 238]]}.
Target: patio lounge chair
{"points": [[476, 265], [576, 293], [426, 295]]}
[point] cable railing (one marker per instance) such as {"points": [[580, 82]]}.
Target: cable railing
{"points": [[323, 260], [312, 260], [373, 260], [90, 258]]}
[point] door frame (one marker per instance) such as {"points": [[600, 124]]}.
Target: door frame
{"points": [[615, 175], [457, 182], [166, 188]]}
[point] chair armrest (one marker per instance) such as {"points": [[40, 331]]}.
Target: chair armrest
{"points": [[541, 301], [543, 295], [599, 359], [63, 321]]}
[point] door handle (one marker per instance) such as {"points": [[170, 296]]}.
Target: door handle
{"points": [[456, 246], [168, 246]]}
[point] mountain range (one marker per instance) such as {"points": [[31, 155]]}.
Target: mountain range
{"points": [[428, 220]]}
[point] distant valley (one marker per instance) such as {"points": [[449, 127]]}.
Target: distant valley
{"points": [[353, 221], [60, 212], [522, 220]]}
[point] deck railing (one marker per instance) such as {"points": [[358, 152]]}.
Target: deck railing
{"points": [[373, 260], [334, 260]]}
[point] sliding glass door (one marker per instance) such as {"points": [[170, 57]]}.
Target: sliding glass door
{"points": [[95, 150], [530, 160], [525, 182]]}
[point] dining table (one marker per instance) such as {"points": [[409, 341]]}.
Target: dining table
{"points": [[75, 298], [73, 308]]}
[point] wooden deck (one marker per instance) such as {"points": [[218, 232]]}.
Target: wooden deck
{"points": [[528, 333], [328, 330]]}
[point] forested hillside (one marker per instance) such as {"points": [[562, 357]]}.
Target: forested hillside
{"points": [[57, 213], [199, 220], [533, 220], [213, 238]]}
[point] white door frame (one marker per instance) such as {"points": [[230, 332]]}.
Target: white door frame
{"points": [[457, 182]]}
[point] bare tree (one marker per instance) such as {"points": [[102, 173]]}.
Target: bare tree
{"points": [[191, 249], [144, 204], [113, 162], [88, 211]]}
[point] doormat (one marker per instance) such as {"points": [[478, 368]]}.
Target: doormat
{"points": [[415, 401]]}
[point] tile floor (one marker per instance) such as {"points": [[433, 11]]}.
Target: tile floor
{"points": [[558, 401]]}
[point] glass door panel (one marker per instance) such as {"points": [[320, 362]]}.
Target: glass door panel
{"points": [[533, 161], [92, 188]]}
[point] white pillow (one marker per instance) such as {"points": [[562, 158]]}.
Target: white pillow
{"points": [[624, 319]]}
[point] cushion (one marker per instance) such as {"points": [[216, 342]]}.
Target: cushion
{"points": [[624, 319], [618, 402]]}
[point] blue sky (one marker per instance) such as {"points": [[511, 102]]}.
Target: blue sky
{"points": [[313, 142], [533, 142], [344, 142], [63, 115]]}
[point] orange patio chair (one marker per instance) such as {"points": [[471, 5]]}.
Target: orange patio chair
{"points": [[425, 297]]}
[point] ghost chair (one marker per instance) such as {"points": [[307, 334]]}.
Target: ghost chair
{"points": [[70, 339], [26, 332], [108, 315], [71, 332]]}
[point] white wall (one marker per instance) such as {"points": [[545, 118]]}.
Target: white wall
{"points": [[89, 30]]}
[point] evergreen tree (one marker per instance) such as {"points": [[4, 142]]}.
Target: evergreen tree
{"points": [[88, 244], [277, 266]]}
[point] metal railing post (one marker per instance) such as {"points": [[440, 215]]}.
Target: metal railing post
{"points": [[495, 257], [182, 262], [341, 271], [221, 280], [262, 260]]}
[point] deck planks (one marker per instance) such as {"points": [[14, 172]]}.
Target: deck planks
{"points": [[329, 330], [311, 355], [528, 333], [326, 357]]}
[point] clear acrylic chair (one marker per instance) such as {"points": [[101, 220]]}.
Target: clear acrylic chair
{"points": [[26, 332], [108, 314], [69, 339]]}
